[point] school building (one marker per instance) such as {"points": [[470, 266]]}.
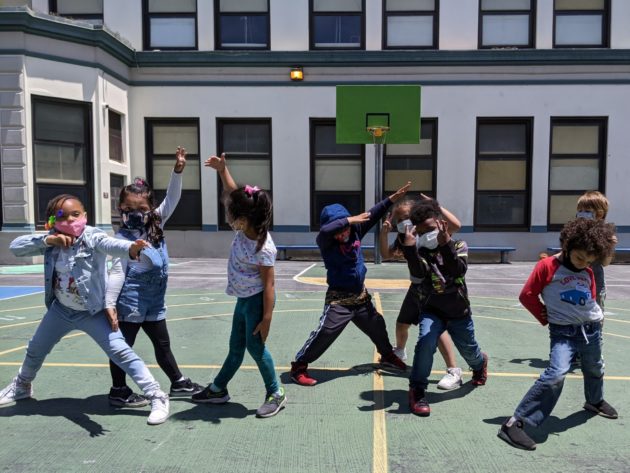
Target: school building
{"points": [[525, 104]]}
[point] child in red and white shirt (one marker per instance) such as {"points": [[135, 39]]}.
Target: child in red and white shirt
{"points": [[566, 284]]}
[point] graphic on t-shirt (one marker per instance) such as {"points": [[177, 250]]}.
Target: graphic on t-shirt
{"points": [[576, 296]]}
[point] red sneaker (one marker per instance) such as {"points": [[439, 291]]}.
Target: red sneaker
{"points": [[393, 361], [479, 377], [299, 374], [418, 404]]}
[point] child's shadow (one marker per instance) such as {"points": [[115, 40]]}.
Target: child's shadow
{"points": [[214, 413], [74, 409], [552, 425], [401, 398], [539, 363], [323, 375]]}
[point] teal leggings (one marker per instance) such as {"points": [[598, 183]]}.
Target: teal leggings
{"points": [[247, 314]]}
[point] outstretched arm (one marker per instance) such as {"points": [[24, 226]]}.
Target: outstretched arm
{"points": [[378, 211], [454, 225], [220, 166]]}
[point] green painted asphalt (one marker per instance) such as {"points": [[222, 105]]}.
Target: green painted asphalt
{"points": [[326, 428]]}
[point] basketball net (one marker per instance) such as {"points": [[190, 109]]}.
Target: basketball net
{"points": [[379, 134]]}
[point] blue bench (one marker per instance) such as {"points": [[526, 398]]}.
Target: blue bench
{"points": [[282, 249], [503, 250]]}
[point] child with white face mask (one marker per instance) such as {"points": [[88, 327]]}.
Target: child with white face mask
{"points": [[417, 293], [432, 255]]}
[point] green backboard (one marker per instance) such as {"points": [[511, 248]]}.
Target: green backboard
{"points": [[394, 106]]}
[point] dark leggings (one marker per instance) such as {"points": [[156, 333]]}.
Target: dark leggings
{"points": [[158, 334]]}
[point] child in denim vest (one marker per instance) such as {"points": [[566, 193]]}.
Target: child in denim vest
{"points": [[75, 278], [567, 287], [251, 280], [136, 289]]}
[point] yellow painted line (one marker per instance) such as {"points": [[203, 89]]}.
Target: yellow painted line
{"points": [[23, 308], [24, 346], [20, 324], [379, 432], [369, 283]]}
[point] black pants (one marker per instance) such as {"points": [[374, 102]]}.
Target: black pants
{"points": [[334, 320], [158, 334]]}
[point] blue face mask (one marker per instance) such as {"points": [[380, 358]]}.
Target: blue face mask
{"points": [[589, 215], [135, 219]]}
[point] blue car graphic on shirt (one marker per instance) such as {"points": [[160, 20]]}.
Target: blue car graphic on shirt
{"points": [[575, 296]]}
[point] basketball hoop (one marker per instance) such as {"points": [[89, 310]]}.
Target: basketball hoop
{"points": [[378, 133]]}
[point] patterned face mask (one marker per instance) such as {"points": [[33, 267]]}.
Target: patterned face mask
{"points": [[135, 219]]}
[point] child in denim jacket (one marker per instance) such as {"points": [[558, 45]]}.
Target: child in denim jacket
{"points": [[75, 279]]}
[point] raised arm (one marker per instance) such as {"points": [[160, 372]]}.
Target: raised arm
{"points": [[454, 225], [174, 191], [378, 211], [220, 166], [29, 245]]}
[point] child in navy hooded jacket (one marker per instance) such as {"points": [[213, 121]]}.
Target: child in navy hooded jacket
{"points": [[347, 299]]}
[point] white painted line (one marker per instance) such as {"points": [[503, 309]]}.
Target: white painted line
{"points": [[295, 278]]}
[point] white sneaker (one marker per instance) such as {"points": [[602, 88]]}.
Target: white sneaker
{"points": [[15, 391], [401, 353], [451, 380], [159, 408]]}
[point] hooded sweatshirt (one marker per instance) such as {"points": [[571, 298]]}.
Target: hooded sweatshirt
{"points": [[345, 267]]}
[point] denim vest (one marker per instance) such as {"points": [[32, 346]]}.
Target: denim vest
{"points": [[142, 296], [90, 263]]}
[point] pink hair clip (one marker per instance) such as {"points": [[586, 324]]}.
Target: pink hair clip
{"points": [[138, 181], [251, 191]]}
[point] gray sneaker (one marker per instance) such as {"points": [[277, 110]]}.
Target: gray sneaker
{"points": [[272, 405], [15, 391]]}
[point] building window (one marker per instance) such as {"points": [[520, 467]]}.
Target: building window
{"points": [[576, 164], [116, 183], [242, 24], [337, 171], [247, 145], [115, 125], [415, 163], [62, 153], [163, 136], [581, 23], [504, 154], [506, 23], [169, 24], [337, 24], [410, 24], [84, 10]]}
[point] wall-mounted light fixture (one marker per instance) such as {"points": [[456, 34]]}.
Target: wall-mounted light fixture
{"points": [[296, 73]]}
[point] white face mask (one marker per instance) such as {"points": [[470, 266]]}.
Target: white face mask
{"points": [[428, 240], [402, 225]]}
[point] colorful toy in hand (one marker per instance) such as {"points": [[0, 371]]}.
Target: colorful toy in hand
{"points": [[50, 224]]}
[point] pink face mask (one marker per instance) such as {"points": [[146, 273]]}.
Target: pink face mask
{"points": [[74, 228]]}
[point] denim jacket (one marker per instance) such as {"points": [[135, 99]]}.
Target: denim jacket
{"points": [[90, 263]]}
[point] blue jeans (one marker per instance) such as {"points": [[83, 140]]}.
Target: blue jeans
{"points": [[247, 314], [462, 331], [60, 320], [565, 340]]}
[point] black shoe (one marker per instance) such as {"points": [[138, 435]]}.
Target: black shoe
{"points": [[516, 436], [208, 395], [603, 409], [125, 397], [184, 388]]}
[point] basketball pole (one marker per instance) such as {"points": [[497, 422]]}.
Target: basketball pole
{"points": [[378, 196]]}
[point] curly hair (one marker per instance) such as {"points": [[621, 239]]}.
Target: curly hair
{"points": [[423, 210], [255, 206], [595, 237], [140, 187]]}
